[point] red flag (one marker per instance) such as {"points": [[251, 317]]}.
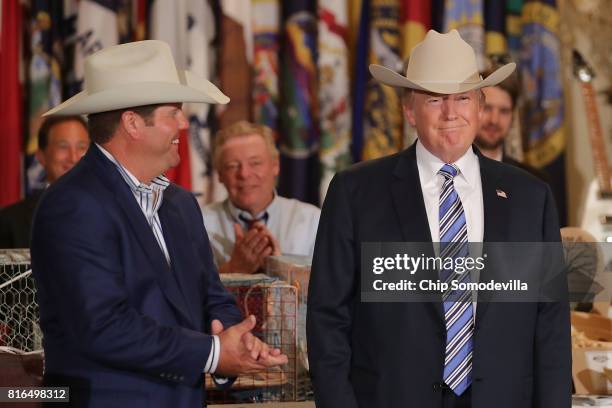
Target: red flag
{"points": [[181, 174], [415, 22], [140, 20], [10, 103]]}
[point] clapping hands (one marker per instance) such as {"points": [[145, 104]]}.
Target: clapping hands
{"points": [[242, 352], [251, 248]]}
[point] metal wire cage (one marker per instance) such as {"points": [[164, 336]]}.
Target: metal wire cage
{"points": [[274, 304], [19, 326]]}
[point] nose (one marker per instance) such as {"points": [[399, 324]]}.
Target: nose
{"points": [[73, 155], [448, 108], [183, 123], [494, 116], [244, 171]]}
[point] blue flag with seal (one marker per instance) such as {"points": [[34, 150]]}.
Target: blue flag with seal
{"points": [[543, 110], [299, 130]]}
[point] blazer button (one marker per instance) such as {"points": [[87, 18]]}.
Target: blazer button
{"points": [[439, 387]]}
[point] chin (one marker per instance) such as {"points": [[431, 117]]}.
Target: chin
{"points": [[174, 162], [489, 143]]}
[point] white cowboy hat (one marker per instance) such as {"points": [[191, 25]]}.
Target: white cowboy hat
{"points": [[136, 74], [443, 64]]}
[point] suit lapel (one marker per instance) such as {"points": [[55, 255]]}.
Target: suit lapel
{"points": [[180, 252], [495, 204], [408, 198], [496, 214], [410, 208], [142, 230]]}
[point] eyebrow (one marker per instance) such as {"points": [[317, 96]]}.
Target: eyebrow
{"points": [[437, 95]]}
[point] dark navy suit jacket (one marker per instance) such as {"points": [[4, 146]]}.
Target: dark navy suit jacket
{"points": [[16, 222], [387, 355], [121, 327]]}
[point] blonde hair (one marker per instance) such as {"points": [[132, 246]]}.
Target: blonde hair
{"points": [[241, 129], [408, 96]]}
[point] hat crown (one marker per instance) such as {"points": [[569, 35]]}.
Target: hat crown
{"points": [[443, 58], [142, 61], [443, 64], [136, 74]]}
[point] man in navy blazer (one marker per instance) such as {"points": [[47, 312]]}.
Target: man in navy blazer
{"points": [[439, 354], [131, 306]]}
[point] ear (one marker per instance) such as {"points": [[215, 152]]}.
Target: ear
{"points": [[480, 112], [275, 167], [221, 175], [132, 123], [409, 113]]}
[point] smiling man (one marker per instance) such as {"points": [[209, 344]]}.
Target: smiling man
{"points": [[62, 141], [131, 306], [254, 222], [447, 353]]}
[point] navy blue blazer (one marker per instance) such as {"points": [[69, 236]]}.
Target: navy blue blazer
{"points": [[16, 222], [121, 327], [392, 354]]}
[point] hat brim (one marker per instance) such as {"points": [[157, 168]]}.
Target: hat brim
{"points": [[392, 78], [191, 89]]}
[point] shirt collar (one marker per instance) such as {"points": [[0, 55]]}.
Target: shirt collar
{"points": [[430, 165], [159, 183], [236, 212]]}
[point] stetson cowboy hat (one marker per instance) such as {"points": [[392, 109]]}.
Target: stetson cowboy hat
{"points": [[135, 74], [443, 64]]}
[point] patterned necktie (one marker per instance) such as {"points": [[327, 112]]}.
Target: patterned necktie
{"points": [[458, 311], [249, 222]]}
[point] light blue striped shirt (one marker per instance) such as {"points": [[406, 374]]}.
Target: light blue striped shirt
{"points": [[150, 198]]}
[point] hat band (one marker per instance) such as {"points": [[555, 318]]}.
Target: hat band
{"points": [[472, 79]]}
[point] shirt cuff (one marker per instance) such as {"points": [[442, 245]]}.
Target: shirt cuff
{"points": [[213, 357], [213, 361]]}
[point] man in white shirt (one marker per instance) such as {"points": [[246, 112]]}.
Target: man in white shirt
{"points": [[254, 222], [448, 352]]}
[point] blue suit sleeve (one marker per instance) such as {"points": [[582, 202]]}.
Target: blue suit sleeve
{"points": [[79, 273]]}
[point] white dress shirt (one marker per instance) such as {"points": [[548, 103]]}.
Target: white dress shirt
{"points": [[467, 184], [149, 199], [292, 222]]}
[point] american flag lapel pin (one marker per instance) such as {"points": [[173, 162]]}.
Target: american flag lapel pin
{"points": [[501, 193]]}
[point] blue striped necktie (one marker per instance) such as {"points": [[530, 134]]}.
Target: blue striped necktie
{"points": [[458, 311]]}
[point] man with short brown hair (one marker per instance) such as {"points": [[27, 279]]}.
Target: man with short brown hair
{"points": [[496, 122], [131, 306], [62, 141]]}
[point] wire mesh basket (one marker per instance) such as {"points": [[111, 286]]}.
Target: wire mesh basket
{"points": [[19, 326], [274, 304]]}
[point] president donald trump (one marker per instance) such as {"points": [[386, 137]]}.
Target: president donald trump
{"points": [[441, 354]]}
